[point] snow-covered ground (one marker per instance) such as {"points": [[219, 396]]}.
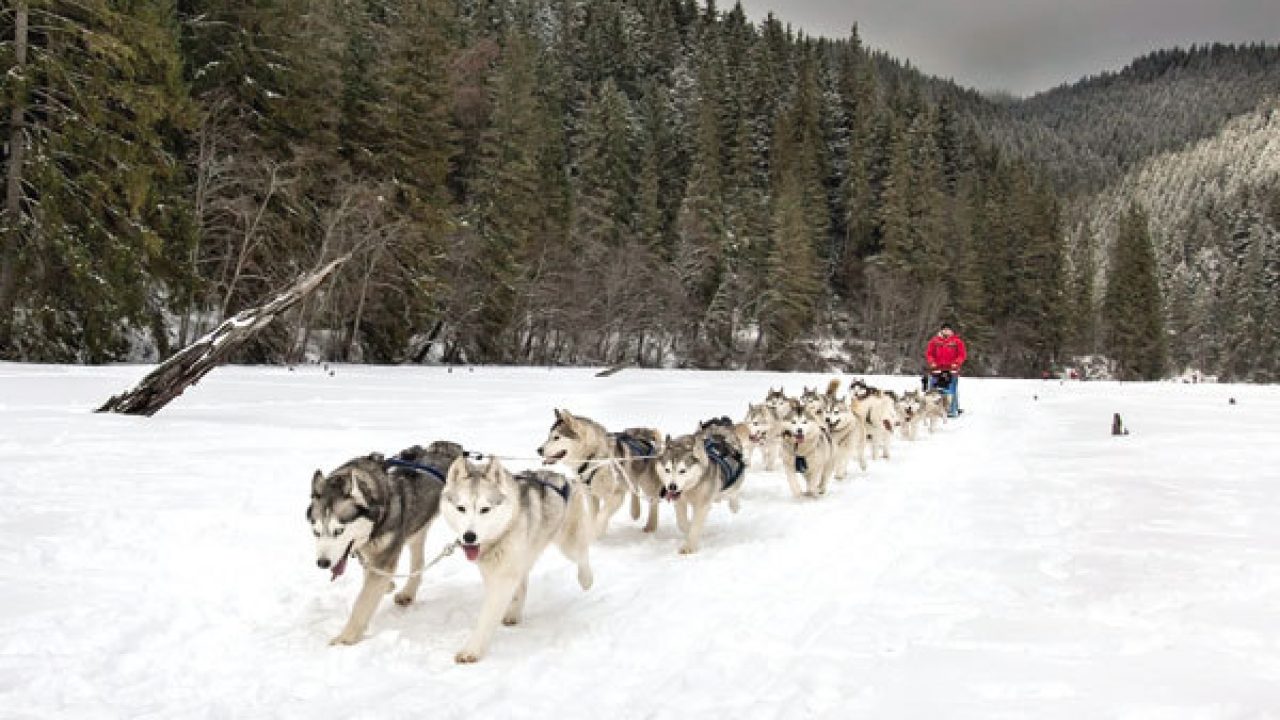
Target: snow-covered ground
{"points": [[1022, 562]]}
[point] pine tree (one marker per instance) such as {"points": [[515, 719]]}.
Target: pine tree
{"points": [[1132, 306], [103, 107]]}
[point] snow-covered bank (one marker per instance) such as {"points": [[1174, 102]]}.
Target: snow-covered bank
{"points": [[1020, 563]]}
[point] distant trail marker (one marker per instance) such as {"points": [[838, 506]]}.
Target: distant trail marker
{"points": [[611, 371]]}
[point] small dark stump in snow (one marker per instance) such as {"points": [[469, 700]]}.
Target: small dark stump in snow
{"points": [[1231, 401], [1117, 425]]}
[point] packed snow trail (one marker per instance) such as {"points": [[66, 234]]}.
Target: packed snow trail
{"points": [[1019, 563]]}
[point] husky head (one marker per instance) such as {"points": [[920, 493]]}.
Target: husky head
{"points": [[344, 509], [776, 399], [801, 424], [811, 399], [911, 404], [838, 413], [860, 390], [681, 464], [479, 503], [563, 438], [760, 421]]}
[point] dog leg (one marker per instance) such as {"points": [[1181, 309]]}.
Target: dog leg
{"points": [[694, 536], [375, 586], [515, 610], [498, 592], [416, 547], [794, 482], [651, 524], [770, 453], [635, 506], [682, 516], [612, 504], [734, 506], [574, 540]]}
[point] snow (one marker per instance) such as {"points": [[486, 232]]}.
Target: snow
{"points": [[1019, 563]]}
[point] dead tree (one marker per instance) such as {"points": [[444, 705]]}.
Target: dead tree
{"points": [[173, 376]]}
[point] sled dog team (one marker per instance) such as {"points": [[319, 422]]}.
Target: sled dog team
{"points": [[374, 507]]}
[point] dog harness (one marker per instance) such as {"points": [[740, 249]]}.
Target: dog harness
{"points": [[528, 476], [639, 446], [727, 459], [397, 462]]}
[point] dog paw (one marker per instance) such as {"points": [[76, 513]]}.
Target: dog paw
{"points": [[466, 657], [509, 621], [345, 639], [688, 549], [585, 578], [404, 599]]}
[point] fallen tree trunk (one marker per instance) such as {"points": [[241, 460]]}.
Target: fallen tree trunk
{"points": [[175, 375]]}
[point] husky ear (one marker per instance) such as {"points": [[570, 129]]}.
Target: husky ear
{"points": [[457, 471], [493, 470], [317, 483]]}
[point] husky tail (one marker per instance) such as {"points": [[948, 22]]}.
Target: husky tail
{"points": [[833, 387]]}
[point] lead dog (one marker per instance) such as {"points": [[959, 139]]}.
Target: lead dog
{"points": [[503, 523], [372, 508]]}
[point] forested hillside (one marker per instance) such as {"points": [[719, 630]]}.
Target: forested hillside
{"points": [[658, 182]]}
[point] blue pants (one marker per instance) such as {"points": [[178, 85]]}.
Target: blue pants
{"points": [[949, 392]]}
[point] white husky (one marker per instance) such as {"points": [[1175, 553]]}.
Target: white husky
{"points": [[761, 432], [807, 451], [503, 524], [848, 433], [876, 408]]}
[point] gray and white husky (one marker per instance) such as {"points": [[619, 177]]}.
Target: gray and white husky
{"points": [[935, 409], [806, 451], [911, 409], [698, 470], [848, 434], [372, 508], [503, 523], [609, 464], [762, 433]]}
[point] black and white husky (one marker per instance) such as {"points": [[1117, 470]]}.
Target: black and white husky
{"points": [[372, 508]]}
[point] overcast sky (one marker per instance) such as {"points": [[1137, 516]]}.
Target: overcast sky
{"points": [[1025, 46]]}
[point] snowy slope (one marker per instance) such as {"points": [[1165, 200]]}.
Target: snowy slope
{"points": [[1020, 563]]}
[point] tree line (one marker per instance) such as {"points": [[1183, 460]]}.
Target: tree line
{"points": [[657, 182]]}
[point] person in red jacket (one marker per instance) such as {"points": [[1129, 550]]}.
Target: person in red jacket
{"points": [[945, 354]]}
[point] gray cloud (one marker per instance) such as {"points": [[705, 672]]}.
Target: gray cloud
{"points": [[1025, 46]]}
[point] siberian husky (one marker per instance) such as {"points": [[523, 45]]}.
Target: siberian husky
{"points": [[373, 508], [848, 432], [807, 451], [698, 470], [876, 408], [503, 523], [935, 409], [609, 464], [911, 410], [761, 432]]}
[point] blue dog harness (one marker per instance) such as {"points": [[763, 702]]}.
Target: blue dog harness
{"points": [[528, 476], [397, 462], [727, 459]]}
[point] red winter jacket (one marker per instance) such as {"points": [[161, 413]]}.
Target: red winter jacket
{"points": [[945, 353]]}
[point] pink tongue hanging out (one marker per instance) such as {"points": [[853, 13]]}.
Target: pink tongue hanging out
{"points": [[472, 552], [341, 566]]}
